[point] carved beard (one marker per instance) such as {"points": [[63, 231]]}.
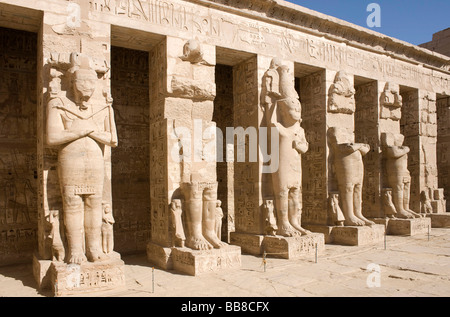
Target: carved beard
{"points": [[83, 104]]}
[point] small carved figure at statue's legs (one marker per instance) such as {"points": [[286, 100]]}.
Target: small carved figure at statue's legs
{"points": [[295, 210], [357, 204], [209, 217], [346, 192], [194, 203], [73, 215], [93, 217], [282, 205]]}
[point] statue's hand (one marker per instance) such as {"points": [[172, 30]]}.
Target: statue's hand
{"points": [[83, 133]]}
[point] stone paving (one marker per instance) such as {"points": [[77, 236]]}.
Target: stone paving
{"points": [[417, 266]]}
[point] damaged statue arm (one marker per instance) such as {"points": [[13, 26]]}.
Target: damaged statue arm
{"points": [[396, 151], [109, 136], [56, 134]]}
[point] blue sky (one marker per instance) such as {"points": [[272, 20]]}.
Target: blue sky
{"points": [[413, 21]]}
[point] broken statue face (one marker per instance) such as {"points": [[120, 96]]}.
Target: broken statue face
{"points": [[84, 83]]}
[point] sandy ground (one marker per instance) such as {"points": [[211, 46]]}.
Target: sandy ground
{"points": [[417, 266]]}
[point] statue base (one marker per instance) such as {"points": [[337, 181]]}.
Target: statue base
{"points": [[73, 279], [441, 220], [194, 262], [404, 227], [350, 235], [278, 246]]}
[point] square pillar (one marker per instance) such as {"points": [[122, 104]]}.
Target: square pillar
{"points": [[86, 47], [183, 151]]}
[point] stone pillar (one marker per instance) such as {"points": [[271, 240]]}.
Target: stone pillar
{"points": [[426, 195], [264, 89], [183, 157], [332, 119], [64, 42], [367, 130]]}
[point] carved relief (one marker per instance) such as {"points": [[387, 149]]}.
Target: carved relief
{"points": [[18, 155], [131, 160]]}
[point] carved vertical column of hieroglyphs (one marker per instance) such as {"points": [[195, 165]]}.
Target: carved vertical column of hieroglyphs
{"points": [[130, 161], [313, 98], [182, 91], [443, 145], [410, 128], [18, 184], [367, 131], [247, 176]]}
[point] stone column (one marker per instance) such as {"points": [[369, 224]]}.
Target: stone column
{"points": [[268, 191], [337, 171], [68, 43], [183, 157]]}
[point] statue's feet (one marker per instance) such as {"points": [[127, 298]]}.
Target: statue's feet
{"points": [[77, 257], [367, 222], [198, 243], [403, 214], [415, 214], [96, 256], [214, 240], [353, 221], [286, 230], [301, 230]]}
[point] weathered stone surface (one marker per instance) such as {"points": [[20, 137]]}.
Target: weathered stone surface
{"points": [[407, 227], [294, 247], [195, 262], [74, 279]]}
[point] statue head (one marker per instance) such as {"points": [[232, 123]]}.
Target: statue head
{"points": [[290, 110], [175, 204], [268, 203], [84, 81], [275, 63], [218, 203]]}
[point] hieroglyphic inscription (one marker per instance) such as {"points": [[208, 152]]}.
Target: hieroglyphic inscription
{"points": [[262, 37], [366, 131], [130, 161], [18, 168], [246, 191], [314, 165], [409, 127]]}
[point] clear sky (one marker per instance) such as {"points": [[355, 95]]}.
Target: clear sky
{"points": [[413, 21]]}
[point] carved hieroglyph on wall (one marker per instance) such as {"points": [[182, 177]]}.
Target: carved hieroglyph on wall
{"points": [[131, 161], [18, 184]]}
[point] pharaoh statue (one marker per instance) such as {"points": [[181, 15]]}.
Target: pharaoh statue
{"points": [[397, 173], [81, 127], [349, 170], [283, 111]]}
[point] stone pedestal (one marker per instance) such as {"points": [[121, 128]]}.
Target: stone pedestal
{"points": [[351, 235], [406, 227], [72, 279], [194, 262], [440, 220], [278, 246]]}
